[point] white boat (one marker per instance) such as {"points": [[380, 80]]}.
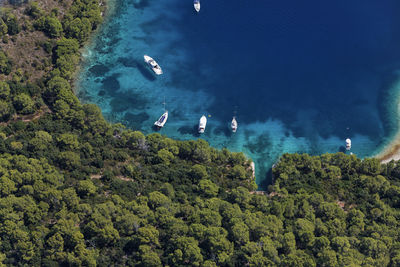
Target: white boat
{"points": [[153, 65], [196, 4], [234, 125], [202, 124], [348, 144], [162, 120]]}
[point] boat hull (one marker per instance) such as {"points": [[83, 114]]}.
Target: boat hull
{"points": [[162, 120], [196, 5], [234, 125], [202, 124], [348, 144], [153, 65]]}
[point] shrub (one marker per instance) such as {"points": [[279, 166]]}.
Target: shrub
{"points": [[12, 24], [5, 64], [34, 10]]}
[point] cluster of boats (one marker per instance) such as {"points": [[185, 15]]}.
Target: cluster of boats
{"points": [[158, 71], [202, 122], [164, 117], [155, 67]]}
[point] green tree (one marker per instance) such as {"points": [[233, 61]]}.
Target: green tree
{"points": [[240, 233], [86, 187], [7, 186], [11, 21], [198, 172], [4, 90], [78, 29], [3, 28], [5, 110], [208, 188], [218, 244], [304, 230], [187, 252], [148, 235], [66, 47], [41, 141], [66, 65], [69, 159], [68, 141], [149, 257], [50, 25], [165, 156], [34, 10], [157, 199], [24, 104], [327, 257], [238, 172], [5, 64], [288, 243]]}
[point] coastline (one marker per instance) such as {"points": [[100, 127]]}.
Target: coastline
{"points": [[391, 150], [387, 148], [109, 9]]}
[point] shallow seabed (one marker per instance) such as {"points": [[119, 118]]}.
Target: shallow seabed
{"points": [[300, 77]]}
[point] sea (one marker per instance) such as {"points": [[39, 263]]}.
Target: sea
{"points": [[300, 76]]}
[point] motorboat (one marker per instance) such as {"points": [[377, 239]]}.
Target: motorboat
{"points": [[348, 144], [234, 125], [162, 120], [202, 124], [153, 64], [196, 4]]}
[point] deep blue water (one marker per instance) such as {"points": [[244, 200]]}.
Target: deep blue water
{"points": [[301, 76]]}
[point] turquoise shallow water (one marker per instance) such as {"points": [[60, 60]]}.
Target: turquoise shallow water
{"points": [[300, 77]]}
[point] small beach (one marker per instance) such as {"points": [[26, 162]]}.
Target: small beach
{"points": [[391, 150]]}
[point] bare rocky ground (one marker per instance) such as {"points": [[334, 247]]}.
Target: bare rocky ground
{"points": [[26, 49]]}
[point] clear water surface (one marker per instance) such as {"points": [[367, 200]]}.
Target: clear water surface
{"points": [[301, 76]]}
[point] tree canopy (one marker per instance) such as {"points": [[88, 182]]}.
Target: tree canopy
{"points": [[77, 190]]}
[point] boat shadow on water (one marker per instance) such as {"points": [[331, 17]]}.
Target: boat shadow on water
{"points": [[342, 149], [192, 130], [156, 128], [145, 71], [223, 130]]}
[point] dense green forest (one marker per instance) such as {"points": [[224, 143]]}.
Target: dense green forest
{"points": [[76, 190]]}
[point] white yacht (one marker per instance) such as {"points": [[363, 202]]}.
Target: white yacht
{"points": [[162, 120], [348, 144], [153, 65], [234, 124], [196, 4], [202, 124]]}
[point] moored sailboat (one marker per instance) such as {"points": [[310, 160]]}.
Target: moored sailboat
{"points": [[234, 124], [162, 120], [202, 124], [196, 5], [348, 144]]}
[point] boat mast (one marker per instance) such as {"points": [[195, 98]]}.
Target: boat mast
{"points": [[164, 104]]}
